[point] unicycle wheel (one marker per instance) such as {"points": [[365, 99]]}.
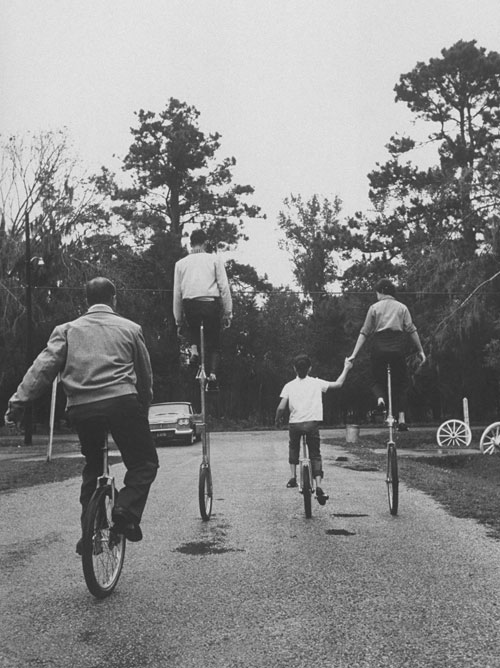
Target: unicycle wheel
{"points": [[392, 479], [205, 491], [103, 550], [307, 490]]}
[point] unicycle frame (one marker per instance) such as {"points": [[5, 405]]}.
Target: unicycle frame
{"points": [[392, 476], [306, 478], [205, 491]]}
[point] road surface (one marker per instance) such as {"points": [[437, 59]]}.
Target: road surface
{"points": [[258, 585]]}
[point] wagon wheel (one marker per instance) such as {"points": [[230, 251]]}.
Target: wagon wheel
{"points": [[454, 434], [490, 440]]}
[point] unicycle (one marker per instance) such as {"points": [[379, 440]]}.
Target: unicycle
{"points": [[103, 549], [392, 477], [205, 489]]}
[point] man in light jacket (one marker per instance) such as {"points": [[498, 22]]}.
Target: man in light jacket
{"points": [[106, 374]]}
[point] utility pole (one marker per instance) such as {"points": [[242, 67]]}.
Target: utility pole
{"points": [[28, 413]]}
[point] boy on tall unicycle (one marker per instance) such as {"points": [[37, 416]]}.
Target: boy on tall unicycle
{"points": [[202, 294]]}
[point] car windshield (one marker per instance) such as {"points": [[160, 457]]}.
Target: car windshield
{"points": [[169, 409]]}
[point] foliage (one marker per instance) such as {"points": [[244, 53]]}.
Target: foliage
{"points": [[43, 193], [435, 230], [177, 180], [312, 230]]}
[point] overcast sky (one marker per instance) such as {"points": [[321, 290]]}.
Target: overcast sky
{"points": [[301, 91]]}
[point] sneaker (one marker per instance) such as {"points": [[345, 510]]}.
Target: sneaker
{"points": [[124, 524], [292, 482], [321, 496], [402, 426]]}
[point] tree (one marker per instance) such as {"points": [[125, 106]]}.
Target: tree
{"points": [[176, 179], [40, 185], [452, 205], [312, 230], [435, 230]]}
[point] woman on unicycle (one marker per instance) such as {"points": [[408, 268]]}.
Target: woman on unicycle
{"points": [[388, 323]]}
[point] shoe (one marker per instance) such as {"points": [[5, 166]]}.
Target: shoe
{"points": [[124, 524], [79, 547], [292, 482], [402, 427], [321, 496]]}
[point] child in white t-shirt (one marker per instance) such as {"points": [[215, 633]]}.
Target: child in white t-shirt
{"points": [[303, 397]]}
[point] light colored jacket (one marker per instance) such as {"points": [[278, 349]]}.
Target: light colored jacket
{"points": [[100, 355], [201, 274]]}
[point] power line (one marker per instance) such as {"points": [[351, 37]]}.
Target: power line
{"points": [[279, 291]]}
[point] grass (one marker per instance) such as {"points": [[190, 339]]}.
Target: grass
{"points": [[17, 468], [467, 485]]}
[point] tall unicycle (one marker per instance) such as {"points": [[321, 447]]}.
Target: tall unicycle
{"points": [[392, 477], [205, 489]]}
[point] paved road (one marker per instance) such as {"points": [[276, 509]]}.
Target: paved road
{"points": [[258, 585]]}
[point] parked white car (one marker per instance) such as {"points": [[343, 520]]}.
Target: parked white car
{"points": [[174, 420]]}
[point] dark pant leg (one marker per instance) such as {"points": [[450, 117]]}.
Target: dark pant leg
{"points": [[310, 429], [399, 379], [379, 375], [400, 383], [129, 428], [91, 434], [313, 445], [294, 434], [388, 347], [196, 311], [128, 423], [192, 317]]}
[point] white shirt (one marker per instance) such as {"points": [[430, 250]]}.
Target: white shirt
{"points": [[305, 400]]}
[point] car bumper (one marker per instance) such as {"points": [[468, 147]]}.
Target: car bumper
{"points": [[172, 433]]}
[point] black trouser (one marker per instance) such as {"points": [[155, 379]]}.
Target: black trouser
{"points": [[127, 421], [388, 347], [311, 430], [197, 311]]}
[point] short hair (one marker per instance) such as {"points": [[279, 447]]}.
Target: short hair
{"points": [[385, 287], [302, 364], [99, 290], [198, 237]]}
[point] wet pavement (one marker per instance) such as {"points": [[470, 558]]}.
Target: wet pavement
{"points": [[258, 585]]}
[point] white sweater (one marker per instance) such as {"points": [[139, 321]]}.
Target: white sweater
{"points": [[201, 275]]}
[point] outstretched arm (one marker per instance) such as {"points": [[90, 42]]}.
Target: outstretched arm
{"points": [[280, 411], [335, 384], [416, 340], [359, 344]]}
